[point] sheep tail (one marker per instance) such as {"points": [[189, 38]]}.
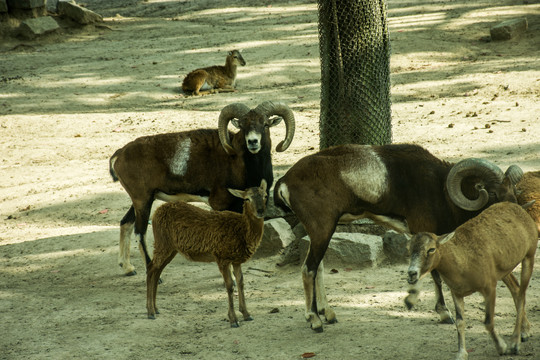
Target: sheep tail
{"points": [[111, 164]]}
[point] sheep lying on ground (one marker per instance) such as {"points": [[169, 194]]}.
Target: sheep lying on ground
{"points": [[215, 78], [474, 257], [226, 237]]}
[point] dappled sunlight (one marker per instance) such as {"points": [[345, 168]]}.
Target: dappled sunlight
{"points": [[416, 22]]}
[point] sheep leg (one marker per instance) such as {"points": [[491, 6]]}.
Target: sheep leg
{"points": [[126, 229], [460, 325], [225, 270], [489, 296], [322, 303], [513, 285], [440, 305], [241, 298], [142, 215], [316, 251], [153, 272], [526, 272]]}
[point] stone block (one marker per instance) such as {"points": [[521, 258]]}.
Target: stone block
{"points": [[352, 249], [78, 14], [277, 235], [38, 26], [396, 245], [52, 5], [26, 4], [3, 6], [509, 29]]}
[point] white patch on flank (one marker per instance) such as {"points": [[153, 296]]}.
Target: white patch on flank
{"points": [[179, 161], [367, 177], [283, 193]]}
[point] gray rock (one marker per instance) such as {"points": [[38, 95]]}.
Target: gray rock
{"points": [[277, 236], [79, 14], [26, 4], [3, 6], [52, 5], [349, 249], [38, 26], [396, 245], [509, 29]]}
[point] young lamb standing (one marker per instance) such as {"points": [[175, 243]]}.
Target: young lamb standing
{"points": [[474, 257], [226, 237]]}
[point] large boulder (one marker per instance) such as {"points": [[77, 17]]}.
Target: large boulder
{"points": [[509, 29], [276, 237], [77, 13], [25, 4], [349, 249], [33, 27]]}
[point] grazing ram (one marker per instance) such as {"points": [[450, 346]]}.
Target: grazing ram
{"points": [[224, 237], [401, 186], [214, 78], [472, 259], [197, 165]]}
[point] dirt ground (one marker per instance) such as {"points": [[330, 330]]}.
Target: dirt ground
{"points": [[69, 100]]}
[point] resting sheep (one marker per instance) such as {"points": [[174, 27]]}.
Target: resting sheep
{"points": [[226, 237], [474, 257], [197, 165], [214, 78], [401, 186]]}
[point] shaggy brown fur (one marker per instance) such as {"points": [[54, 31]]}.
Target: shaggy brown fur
{"points": [[528, 190], [479, 253], [226, 237]]}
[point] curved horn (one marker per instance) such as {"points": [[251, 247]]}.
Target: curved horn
{"points": [[514, 173], [229, 112], [270, 108], [485, 170]]}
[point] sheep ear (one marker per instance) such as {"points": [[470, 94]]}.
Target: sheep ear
{"points": [[263, 184], [528, 204], [236, 123], [238, 193], [273, 121], [445, 238]]}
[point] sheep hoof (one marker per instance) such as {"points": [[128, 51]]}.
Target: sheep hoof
{"points": [[447, 320], [318, 329]]}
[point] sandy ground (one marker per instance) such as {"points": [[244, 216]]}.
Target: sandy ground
{"points": [[68, 101]]}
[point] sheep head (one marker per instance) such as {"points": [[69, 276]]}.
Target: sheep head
{"points": [[254, 123], [254, 197], [235, 58], [474, 183], [425, 256]]}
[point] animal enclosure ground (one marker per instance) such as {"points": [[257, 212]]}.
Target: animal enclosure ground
{"points": [[69, 100]]}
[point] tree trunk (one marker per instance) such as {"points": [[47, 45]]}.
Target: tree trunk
{"points": [[355, 72]]}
